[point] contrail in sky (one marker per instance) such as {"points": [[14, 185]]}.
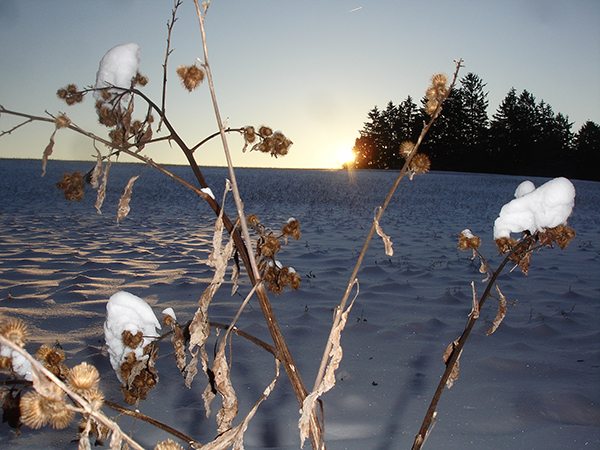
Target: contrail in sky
{"points": [[355, 9]]}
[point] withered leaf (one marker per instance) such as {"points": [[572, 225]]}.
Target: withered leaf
{"points": [[389, 251], [123, 208], [501, 313], [47, 152], [101, 195]]}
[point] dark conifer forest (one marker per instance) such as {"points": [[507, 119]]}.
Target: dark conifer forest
{"points": [[523, 137]]}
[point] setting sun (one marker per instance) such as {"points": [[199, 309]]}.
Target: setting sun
{"points": [[345, 156]]}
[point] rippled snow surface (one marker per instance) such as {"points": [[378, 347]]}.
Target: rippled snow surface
{"points": [[534, 384]]}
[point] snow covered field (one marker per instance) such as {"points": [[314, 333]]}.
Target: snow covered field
{"points": [[534, 384]]}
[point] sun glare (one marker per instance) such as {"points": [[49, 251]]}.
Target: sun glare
{"points": [[345, 156]]}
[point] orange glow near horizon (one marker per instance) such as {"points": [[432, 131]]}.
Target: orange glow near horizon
{"points": [[344, 155]]}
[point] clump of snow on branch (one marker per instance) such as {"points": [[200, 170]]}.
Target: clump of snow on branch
{"points": [[125, 311], [20, 365], [534, 209], [118, 66]]}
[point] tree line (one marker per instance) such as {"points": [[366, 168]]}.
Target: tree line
{"points": [[523, 137]]}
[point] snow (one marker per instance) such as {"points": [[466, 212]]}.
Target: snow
{"points": [[169, 312], [118, 66], [125, 311], [21, 366], [534, 209], [207, 191], [533, 384]]}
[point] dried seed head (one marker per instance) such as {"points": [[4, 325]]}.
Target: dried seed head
{"points": [[270, 246], [432, 106], [62, 121], [265, 131], [292, 228], [140, 79], [439, 80], [249, 134], [14, 330], [83, 377], [420, 163], [5, 362], [191, 76], [467, 240], [168, 445], [406, 148], [38, 411], [295, 281], [131, 340], [70, 94], [505, 244], [72, 185], [252, 219]]}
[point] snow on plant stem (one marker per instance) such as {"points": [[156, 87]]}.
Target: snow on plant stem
{"points": [[534, 209], [125, 311]]}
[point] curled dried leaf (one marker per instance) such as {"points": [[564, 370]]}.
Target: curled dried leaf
{"points": [[123, 208], [501, 313], [47, 152], [455, 369], [389, 251], [101, 195]]}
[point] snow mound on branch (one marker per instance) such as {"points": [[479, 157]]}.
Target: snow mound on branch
{"points": [[125, 311], [534, 209], [118, 66]]}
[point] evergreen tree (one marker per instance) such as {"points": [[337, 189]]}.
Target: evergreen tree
{"points": [[586, 154]]}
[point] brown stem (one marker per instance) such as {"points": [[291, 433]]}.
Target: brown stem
{"points": [[156, 423], [283, 352], [420, 437]]}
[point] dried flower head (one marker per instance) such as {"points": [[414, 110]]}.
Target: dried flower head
{"points": [[83, 378], [168, 445], [132, 340], [70, 94], [52, 358], [191, 76], [249, 134], [439, 80], [406, 148], [561, 235], [140, 79], [15, 330], [269, 246], [467, 240], [252, 219], [265, 131], [62, 121], [292, 228], [420, 163], [505, 244], [72, 185], [38, 411]]}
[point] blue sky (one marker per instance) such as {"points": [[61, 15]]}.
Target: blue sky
{"points": [[312, 69]]}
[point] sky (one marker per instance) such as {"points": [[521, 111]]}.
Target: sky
{"points": [[312, 69]]}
